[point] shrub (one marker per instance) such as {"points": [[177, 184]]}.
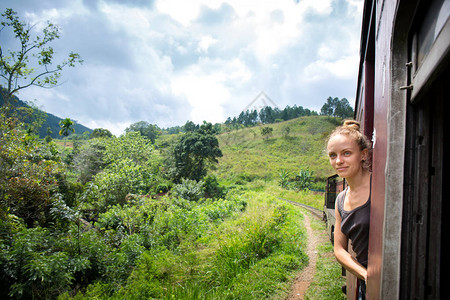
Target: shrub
{"points": [[121, 178], [189, 189], [35, 267], [304, 179], [213, 188], [284, 178]]}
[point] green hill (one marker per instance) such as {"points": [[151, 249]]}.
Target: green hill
{"points": [[247, 154], [51, 120]]}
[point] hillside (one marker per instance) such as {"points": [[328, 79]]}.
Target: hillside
{"points": [[248, 154], [51, 121]]}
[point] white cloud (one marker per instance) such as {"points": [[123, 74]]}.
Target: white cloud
{"points": [[205, 42], [56, 16], [343, 68], [206, 86]]}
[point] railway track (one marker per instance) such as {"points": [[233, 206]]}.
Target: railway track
{"points": [[317, 212]]}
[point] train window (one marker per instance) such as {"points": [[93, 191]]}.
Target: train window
{"points": [[430, 45], [431, 27]]}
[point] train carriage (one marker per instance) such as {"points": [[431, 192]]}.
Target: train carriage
{"points": [[400, 103]]}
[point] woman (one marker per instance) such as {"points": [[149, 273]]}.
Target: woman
{"points": [[348, 151]]}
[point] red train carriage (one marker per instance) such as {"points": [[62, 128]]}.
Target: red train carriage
{"points": [[401, 100]]}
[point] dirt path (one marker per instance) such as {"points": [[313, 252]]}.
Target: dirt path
{"points": [[304, 279]]}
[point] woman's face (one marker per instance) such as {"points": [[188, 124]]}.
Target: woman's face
{"points": [[345, 156]]}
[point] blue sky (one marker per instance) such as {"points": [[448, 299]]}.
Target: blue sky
{"points": [[169, 61]]}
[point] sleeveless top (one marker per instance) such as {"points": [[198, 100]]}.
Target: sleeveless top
{"points": [[355, 225]]}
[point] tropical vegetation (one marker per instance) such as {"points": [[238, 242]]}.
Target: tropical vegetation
{"points": [[197, 214]]}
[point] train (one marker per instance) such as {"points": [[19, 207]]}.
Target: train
{"points": [[400, 102], [334, 186]]}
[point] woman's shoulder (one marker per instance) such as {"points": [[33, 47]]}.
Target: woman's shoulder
{"points": [[340, 200], [341, 195]]}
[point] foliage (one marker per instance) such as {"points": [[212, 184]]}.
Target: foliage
{"points": [[286, 130], [147, 130], [284, 179], [304, 179], [222, 249], [100, 133], [89, 159], [189, 189], [130, 145], [16, 72], [337, 108], [194, 151], [66, 128], [266, 132], [35, 267], [267, 115], [103, 233], [48, 137], [118, 167], [213, 188], [28, 185], [120, 178]]}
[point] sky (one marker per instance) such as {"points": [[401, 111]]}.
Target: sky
{"points": [[169, 61]]}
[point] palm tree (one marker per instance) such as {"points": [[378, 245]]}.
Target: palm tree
{"points": [[66, 128]]}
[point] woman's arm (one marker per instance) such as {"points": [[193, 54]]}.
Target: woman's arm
{"points": [[341, 251]]}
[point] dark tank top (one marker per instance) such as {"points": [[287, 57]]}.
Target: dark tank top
{"points": [[355, 225]]}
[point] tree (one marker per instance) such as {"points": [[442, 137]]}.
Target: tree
{"points": [[66, 128], [286, 130], [48, 138], [194, 151], [343, 109], [337, 108], [100, 133], [145, 129], [15, 70], [328, 108], [190, 126], [266, 132]]}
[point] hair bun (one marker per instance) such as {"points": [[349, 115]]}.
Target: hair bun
{"points": [[352, 124]]}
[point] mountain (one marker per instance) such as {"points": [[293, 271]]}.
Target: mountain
{"points": [[51, 120]]}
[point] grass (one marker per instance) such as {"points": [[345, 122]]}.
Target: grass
{"points": [[273, 189], [247, 152], [328, 279]]}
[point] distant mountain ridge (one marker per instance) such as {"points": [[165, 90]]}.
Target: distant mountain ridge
{"points": [[51, 121]]}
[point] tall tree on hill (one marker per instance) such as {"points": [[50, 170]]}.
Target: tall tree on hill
{"points": [[66, 128], [337, 108], [15, 70], [194, 151]]}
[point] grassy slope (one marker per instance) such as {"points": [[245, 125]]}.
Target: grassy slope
{"points": [[247, 153]]}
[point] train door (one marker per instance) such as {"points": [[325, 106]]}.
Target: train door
{"points": [[424, 226]]}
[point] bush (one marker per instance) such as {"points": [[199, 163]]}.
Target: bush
{"points": [[189, 189], [35, 267], [117, 181], [284, 178], [212, 187], [304, 179]]}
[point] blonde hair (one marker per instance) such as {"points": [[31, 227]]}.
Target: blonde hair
{"points": [[352, 129]]}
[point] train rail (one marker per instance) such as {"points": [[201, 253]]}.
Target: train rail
{"points": [[317, 212]]}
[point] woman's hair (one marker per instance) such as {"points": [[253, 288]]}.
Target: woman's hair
{"points": [[351, 128]]}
